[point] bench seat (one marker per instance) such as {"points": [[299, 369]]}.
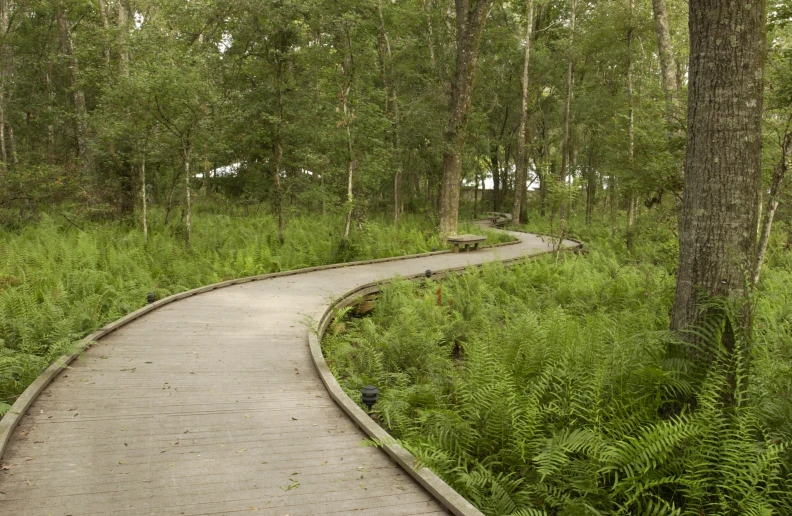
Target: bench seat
{"points": [[466, 241]]}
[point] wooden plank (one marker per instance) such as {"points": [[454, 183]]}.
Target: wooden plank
{"points": [[229, 376]]}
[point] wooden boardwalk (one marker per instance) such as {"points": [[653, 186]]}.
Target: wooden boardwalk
{"points": [[212, 405]]}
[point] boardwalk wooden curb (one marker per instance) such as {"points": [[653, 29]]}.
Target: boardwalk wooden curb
{"points": [[436, 488], [444, 493], [11, 419]]}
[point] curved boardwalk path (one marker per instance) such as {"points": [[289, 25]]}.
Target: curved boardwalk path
{"points": [[212, 405]]}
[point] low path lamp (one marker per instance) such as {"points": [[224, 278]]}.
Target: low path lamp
{"points": [[151, 297], [369, 395], [428, 273]]}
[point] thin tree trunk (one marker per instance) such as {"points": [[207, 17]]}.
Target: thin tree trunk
{"points": [[392, 101], [64, 31], [496, 177], [348, 68], [568, 101], [475, 195], [123, 34], [470, 20], [779, 173], [665, 48], [186, 153], [633, 202], [106, 27], [278, 151], [521, 173], [143, 196], [717, 239]]}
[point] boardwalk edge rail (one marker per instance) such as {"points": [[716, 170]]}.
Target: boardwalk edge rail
{"points": [[447, 496], [444, 493]]}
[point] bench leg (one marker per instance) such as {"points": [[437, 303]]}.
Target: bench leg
{"points": [[456, 248], [475, 246], [467, 247]]}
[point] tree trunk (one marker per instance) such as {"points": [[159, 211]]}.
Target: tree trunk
{"points": [[470, 20], [186, 153], [143, 196], [632, 207], [106, 27], [717, 239], [64, 32], [123, 34], [568, 100], [521, 173], [772, 203], [348, 69], [668, 77], [277, 151], [392, 102], [496, 177]]}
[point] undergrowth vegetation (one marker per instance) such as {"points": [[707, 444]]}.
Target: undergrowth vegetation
{"points": [[543, 388], [60, 280]]}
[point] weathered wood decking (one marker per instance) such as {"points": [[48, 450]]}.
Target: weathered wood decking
{"points": [[212, 405]]}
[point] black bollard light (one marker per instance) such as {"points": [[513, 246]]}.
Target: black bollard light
{"points": [[428, 273], [151, 297], [369, 394], [434, 249]]}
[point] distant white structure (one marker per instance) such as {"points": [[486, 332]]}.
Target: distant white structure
{"points": [[224, 171]]}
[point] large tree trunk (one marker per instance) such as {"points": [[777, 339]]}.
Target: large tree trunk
{"points": [[717, 239], [471, 15], [772, 203], [522, 158]]}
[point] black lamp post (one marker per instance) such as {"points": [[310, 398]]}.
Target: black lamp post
{"points": [[151, 297], [428, 273], [369, 394]]}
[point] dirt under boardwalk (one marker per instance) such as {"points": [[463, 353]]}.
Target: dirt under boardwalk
{"points": [[212, 405]]}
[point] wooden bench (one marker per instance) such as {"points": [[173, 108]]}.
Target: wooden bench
{"points": [[466, 240]]}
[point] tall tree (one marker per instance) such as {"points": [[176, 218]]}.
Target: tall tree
{"points": [[471, 16], [522, 135], [717, 238]]}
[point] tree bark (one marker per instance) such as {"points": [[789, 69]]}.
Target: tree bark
{"points": [[123, 34], [277, 149], [568, 100], [106, 27], [632, 208], [522, 158], [471, 16], [143, 196], [348, 69], [665, 48], [64, 32], [717, 239], [772, 203], [391, 107], [186, 154]]}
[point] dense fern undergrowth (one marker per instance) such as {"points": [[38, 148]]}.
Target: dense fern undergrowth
{"points": [[540, 389], [60, 280]]}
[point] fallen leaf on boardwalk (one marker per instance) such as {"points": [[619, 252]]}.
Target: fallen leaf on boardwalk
{"points": [[5, 467], [363, 487], [121, 462], [247, 415], [242, 450], [29, 482], [294, 485], [324, 462], [253, 508], [31, 458], [294, 419]]}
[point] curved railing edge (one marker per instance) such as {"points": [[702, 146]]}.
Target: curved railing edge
{"points": [[444, 493], [12, 418]]}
